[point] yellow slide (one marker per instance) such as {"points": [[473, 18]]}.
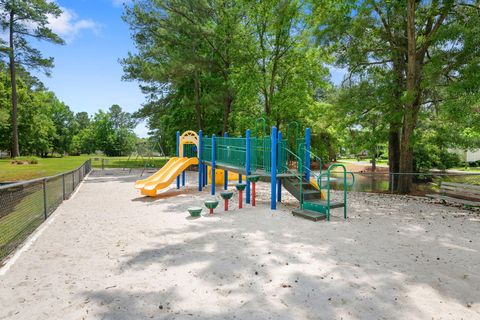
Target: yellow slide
{"points": [[314, 183], [167, 176], [139, 184], [220, 176]]}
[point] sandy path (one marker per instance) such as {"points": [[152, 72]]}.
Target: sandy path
{"points": [[110, 254]]}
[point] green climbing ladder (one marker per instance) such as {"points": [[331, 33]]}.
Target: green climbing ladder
{"points": [[312, 206]]}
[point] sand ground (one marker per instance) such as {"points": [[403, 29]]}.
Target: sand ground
{"points": [[109, 253]]}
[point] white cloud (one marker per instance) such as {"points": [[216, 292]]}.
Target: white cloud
{"points": [[68, 25]]}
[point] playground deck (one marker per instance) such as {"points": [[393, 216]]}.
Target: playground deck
{"points": [[259, 172], [108, 253]]}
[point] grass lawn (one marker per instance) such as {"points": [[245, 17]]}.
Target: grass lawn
{"points": [[363, 161], [467, 169], [45, 167], [51, 166]]}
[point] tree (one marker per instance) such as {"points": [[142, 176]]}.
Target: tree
{"points": [[111, 132], [187, 53], [421, 46], [23, 19], [219, 65], [82, 119]]}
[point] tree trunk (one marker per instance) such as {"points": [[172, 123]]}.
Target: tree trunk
{"points": [[226, 111], [266, 103], [374, 162], [198, 106], [15, 148], [406, 157], [394, 153], [409, 118]]}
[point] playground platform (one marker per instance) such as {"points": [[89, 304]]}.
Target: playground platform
{"points": [[109, 253]]}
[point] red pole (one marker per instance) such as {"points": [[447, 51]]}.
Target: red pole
{"points": [[253, 194], [226, 204], [211, 210], [240, 196]]}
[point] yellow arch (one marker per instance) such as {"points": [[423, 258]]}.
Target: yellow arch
{"points": [[188, 137]]}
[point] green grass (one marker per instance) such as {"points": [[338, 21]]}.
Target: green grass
{"points": [[51, 166], [363, 161], [45, 167], [23, 217], [124, 162], [467, 169]]}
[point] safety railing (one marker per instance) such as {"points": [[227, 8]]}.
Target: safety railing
{"points": [[231, 151], [260, 154], [327, 174], [25, 205], [189, 150], [207, 149]]}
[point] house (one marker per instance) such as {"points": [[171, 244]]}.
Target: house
{"points": [[468, 156]]}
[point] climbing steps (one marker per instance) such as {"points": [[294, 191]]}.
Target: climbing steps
{"points": [[309, 214], [314, 208], [314, 204], [297, 188]]}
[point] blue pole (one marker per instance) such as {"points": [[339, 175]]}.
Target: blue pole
{"points": [[205, 175], [273, 174], [225, 172], [279, 190], [200, 166], [213, 164], [178, 154], [247, 163], [279, 181], [307, 155]]}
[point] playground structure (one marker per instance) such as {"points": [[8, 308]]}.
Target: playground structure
{"points": [[285, 162]]}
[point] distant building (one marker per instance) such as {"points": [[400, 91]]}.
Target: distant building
{"points": [[469, 156]]}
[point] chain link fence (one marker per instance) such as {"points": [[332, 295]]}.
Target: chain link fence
{"points": [[25, 205], [422, 183]]}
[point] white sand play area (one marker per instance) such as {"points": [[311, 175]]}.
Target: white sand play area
{"points": [[109, 253]]}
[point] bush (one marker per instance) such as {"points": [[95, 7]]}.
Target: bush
{"points": [[33, 161], [429, 157]]}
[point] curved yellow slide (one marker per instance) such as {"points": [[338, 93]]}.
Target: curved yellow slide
{"points": [[314, 183], [139, 184], [164, 179]]}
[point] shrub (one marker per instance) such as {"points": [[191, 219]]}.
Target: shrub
{"points": [[428, 157]]}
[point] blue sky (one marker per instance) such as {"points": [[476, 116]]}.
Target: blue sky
{"points": [[87, 74]]}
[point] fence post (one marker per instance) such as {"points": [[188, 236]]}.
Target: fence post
{"points": [[63, 185], [391, 182], [73, 181], [103, 165], [45, 198]]}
